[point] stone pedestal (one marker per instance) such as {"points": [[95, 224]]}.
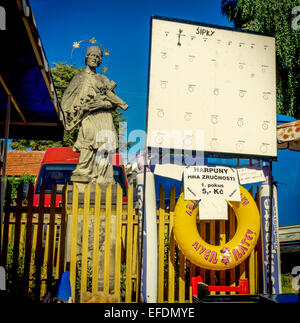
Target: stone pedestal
{"points": [[102, 233]]}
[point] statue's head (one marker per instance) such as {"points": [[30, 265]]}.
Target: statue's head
{"points": [[93, 56]]}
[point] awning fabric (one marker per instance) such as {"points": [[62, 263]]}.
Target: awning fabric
{"points": [[25, 76], [288, 135]]}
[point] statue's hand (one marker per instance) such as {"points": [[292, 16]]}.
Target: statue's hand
{"points": [[102, 104], [107, 105], [85, 107], [103, 90]]}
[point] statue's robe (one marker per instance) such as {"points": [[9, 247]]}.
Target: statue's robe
{"points": [[97, 132]]}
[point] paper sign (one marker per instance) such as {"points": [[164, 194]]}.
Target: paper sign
{"points": [[211, 182], [169, 170], [213, 210], [249, 175]]}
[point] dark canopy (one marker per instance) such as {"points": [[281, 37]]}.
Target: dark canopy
{"points": [[25, 76]]}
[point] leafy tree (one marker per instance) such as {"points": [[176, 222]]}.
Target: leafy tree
{"points": [[15, 181], [62, 74], [273, 16], [24, 144]]}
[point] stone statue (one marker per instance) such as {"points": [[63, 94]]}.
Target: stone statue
{"points": [[89, 102]]}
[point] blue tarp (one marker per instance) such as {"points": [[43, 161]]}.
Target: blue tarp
{"points": [[286, 172], [25, 73]]}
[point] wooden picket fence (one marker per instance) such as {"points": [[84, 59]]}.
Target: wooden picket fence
{"points": [[175, 271], [39, 243], [126, 238], [33, 239]]}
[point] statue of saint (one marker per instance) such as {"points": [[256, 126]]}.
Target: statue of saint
{"points": [[89, 102]]}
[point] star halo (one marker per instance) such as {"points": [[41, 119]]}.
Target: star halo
{"points": [[77, 45]]}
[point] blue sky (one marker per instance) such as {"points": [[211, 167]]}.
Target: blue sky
{"points": [[122, 27]]}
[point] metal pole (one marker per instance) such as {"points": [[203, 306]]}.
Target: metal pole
{"points": [[271, 232], [7, 121], [141, 245]]}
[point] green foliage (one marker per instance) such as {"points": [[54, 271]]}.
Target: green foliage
{"points": [[273, 16], [62, 74], [78, 275], [286, 282], [24, 144], [123, 282], [16, 276], [16, 181]]}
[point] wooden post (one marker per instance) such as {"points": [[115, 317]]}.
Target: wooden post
{"points": [[118, 241], [232, 229], [28, 246], [39, 241], [3, 253], [51, 236], [2, 188], [96, 239], [85, 240], [107, 239], [161, 245], [63, 226], [74, 242], [171, 278], [212, 238], [17, 234], [128, 282]]}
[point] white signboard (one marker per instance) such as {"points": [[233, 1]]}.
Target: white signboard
{"points": [[249, 175], [169, 170], [211, 89], [213, 209], [211, 182]]}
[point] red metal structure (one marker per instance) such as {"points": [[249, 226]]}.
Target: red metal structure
{"points": [[242, 288]]}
